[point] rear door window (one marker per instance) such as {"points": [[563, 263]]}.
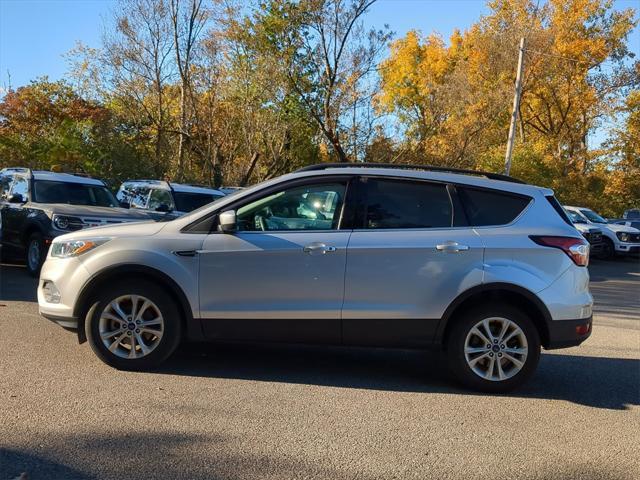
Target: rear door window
{"points": [[491, 207], [393, 204]]}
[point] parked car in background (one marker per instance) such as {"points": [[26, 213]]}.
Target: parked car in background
{"points": [[479, 264], [617, 239], [37, 206], [631, 214], [591, 233], [165, 200]]}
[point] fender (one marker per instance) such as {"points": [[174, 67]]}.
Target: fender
{"points": [[193, 326], [497, 287]]}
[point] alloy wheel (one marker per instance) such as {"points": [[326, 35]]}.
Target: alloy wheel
{"points": [[131, 326], [496, 349]]}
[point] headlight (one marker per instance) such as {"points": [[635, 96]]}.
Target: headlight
{"points": [[63, 222], [73, 248], [623, 236]]}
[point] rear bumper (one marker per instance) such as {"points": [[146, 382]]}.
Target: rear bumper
{"points": [[568, 333]]}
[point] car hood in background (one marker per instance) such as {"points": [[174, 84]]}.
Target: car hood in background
{"points": [[91, 211], [123, 230], [617, 228]]}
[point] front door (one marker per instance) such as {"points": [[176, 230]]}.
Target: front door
{"points": [[407, 263], [280, 277]]}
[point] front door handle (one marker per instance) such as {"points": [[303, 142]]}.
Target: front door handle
{"points": [[451, 247], [318, 248]]}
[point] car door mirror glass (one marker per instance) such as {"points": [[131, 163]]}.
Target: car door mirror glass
{"points": [[227, 221]]}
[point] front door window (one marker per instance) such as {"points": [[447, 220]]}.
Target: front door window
{"points": [[311, 207]]}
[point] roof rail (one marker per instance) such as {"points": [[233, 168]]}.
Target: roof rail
{"points": [[429, 168]]}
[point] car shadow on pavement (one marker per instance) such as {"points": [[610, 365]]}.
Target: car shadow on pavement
{"points": [[16, 284], [144, 454], [609, 383], [18, 464]]}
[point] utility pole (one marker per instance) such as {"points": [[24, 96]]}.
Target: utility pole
{"points": [[516, 107]]}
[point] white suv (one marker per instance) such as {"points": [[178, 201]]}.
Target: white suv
{"points": [[484, 266]]}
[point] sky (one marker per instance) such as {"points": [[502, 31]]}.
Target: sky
{"points": [[35, 34]]}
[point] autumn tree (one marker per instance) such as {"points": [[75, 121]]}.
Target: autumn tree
{"points": [[454, 98], [47, 124], [329, 58]]}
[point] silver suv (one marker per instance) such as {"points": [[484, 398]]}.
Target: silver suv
{"points": [[484, 266]]}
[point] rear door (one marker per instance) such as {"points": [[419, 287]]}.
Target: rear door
{"points": [[410, 258]]}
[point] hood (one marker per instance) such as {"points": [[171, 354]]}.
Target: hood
{"points": [[128, 230], [91, 211], [614, 227]]}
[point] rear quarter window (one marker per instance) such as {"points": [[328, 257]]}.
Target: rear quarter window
{"points": [[490, 207]]}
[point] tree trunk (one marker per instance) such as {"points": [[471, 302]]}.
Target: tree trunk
{"points": [[252, 166], [181, 140]]}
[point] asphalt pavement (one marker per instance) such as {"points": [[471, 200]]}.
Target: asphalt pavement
{"points": [[280, 412]]}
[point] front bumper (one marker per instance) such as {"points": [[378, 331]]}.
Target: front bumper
{"points": [[568, 333], [628, 248], [68, 323], [69, 276]]}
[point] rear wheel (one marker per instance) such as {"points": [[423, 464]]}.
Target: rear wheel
{"points": [[493, 349], [36, 253], [135, 326]]}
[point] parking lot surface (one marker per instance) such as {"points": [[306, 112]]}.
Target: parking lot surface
{"points": [[310, 412]]}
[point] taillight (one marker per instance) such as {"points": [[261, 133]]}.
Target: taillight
{"points": [[576, 248]]}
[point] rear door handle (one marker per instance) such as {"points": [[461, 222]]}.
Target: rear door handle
{"points": [[320, 248], [451, 247]]}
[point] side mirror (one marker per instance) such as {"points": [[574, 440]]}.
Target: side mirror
{"points": [[16, 198], [227, 221], [163, 207], [124, 204]]}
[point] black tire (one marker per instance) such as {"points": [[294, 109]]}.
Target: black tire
{"points": [[34, 263], [608, 251], [167, 343], [462, 327]]}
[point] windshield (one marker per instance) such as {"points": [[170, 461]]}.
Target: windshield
{"points": [[575, 217], [187, 202], [46, 191], [592, 216]]}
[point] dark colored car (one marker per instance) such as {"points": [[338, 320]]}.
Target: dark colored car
{"points": [[37, 206]]}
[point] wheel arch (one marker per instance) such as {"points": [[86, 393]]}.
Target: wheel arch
{"points": [[497, 292], [29, 229], [84, 303]]}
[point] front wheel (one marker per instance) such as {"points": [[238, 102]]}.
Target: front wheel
{"points": [[608, 249], [36, 253], [493, 349], [133, 326]]}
